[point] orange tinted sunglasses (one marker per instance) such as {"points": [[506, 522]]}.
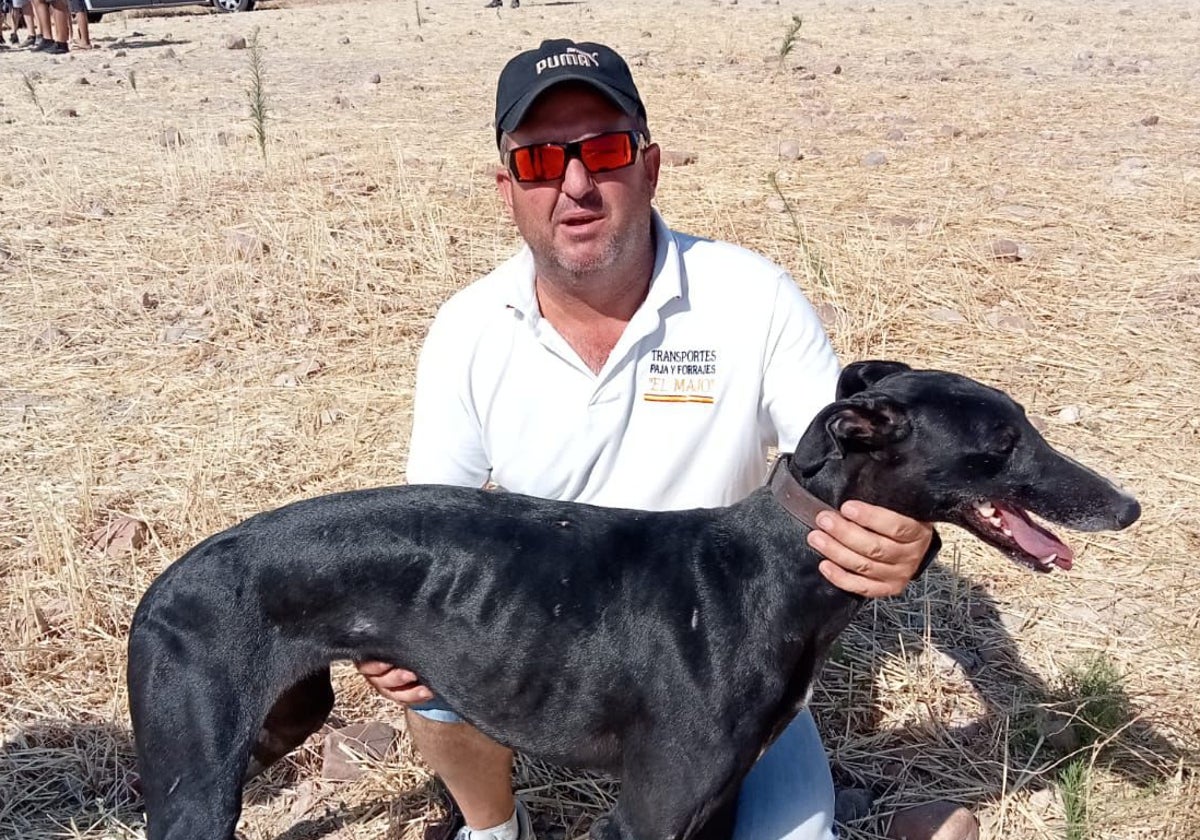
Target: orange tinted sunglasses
{"points": [[548, 161]]}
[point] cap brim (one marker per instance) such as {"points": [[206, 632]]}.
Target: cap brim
{"points": [[513, 117]]}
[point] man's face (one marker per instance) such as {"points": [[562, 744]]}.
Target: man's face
{"points": [[581, 223]]}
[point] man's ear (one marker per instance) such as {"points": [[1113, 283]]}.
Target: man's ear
{"points": [[862, 375], [504, 184], [652, 160]]}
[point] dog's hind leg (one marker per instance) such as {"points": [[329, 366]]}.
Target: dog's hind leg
{"points": [[196, 714], [664, 797], [298, 713]]}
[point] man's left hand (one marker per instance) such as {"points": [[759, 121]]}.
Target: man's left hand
{"points": [[870, 550]]}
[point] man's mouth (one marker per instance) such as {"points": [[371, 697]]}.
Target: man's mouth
{"points": [[1014, 532], [579, 220]]}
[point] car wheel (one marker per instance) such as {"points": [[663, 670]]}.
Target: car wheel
{"points": [[94, 17], [233, 5]]}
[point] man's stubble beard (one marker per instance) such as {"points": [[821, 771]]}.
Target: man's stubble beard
{"points": [[619, 247]]}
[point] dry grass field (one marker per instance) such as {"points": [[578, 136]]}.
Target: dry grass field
{"points": [[191, 332]]}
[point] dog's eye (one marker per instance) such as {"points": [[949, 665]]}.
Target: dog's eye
{"points": [[1003, 441]]}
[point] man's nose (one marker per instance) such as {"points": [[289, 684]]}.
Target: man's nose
{"points": [[577, 181]]}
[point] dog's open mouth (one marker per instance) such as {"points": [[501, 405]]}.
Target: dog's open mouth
{"points": [[1012, 530]]}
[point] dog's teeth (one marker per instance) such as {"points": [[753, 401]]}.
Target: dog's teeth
{"points": [[1049, 559], [1006, 532], [986, 509]]}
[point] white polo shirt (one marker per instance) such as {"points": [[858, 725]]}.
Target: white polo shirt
{"points": [[723, 359]]}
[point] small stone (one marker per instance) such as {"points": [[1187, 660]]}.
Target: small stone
{"points": [[776, 204], [244, 245], [124, 535], [946, 316], [677, 158], [235, 42], [874, 159], [68, 112], [98, 211], [831, 316], [342, 101], [169, 52], [170, 138], [1149, 120], [119, 53], [185, 332], [1058, 729], [1185, 15], [375, 79], [50, 338], [940, 820], [343, 746], [83, 80], [999, 319], [1043, 800], [895, 135], [1126, 12], [1069, 414], [852, 804], [790, 150], [344, 40], [951, 131], [1005, 249], [149, 301], [329, 416]]}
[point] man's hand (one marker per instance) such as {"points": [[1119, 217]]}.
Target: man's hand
{"points": [[870, 550], [396, 684]]}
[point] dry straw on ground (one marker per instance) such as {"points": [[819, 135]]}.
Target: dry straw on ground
{"points": [[145, 348]]}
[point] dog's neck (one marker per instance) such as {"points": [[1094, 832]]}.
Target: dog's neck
{"points": [[793, 497]]}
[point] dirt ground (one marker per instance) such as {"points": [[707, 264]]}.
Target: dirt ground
{"points": [[192, 331]]}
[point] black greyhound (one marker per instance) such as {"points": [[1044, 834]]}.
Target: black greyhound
{"points": [[668, 649]]}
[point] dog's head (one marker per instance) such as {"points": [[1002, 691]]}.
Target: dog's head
{"points": [[940, 447]]}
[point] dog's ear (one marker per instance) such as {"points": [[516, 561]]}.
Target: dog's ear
{"points": [[865, 423], [862, 375]]}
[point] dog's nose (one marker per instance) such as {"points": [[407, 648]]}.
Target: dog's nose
{"points": [[1128, 512]]}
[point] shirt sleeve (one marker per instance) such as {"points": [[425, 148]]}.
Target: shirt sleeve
{"points": [[800, 369], [447, 436]]}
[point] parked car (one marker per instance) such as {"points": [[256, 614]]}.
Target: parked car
{"points": [[98, 8]]}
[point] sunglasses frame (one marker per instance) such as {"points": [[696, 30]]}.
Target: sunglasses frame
{"points": [[574, 151]]}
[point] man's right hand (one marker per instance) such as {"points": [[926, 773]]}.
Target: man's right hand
{"points": [[396, 684]]}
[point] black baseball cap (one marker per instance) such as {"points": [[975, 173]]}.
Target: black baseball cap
{"points": [[530, 74]]}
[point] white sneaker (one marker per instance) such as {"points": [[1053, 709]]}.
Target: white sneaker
{"points": [[524, 828]]}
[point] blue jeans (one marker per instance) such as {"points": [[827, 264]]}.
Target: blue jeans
{"points": [[787, 795]]}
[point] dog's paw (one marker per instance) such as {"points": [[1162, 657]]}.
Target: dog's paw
{"points": [[606, 828]]}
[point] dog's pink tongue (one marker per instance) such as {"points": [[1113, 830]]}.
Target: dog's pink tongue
{"points": [[1035, 539]]}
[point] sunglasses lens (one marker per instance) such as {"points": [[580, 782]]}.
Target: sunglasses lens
{"points": [[539, 163], [607, 152], [548, 161]]}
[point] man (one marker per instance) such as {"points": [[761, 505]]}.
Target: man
{"points": [[78, 10], [616, 362]]}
